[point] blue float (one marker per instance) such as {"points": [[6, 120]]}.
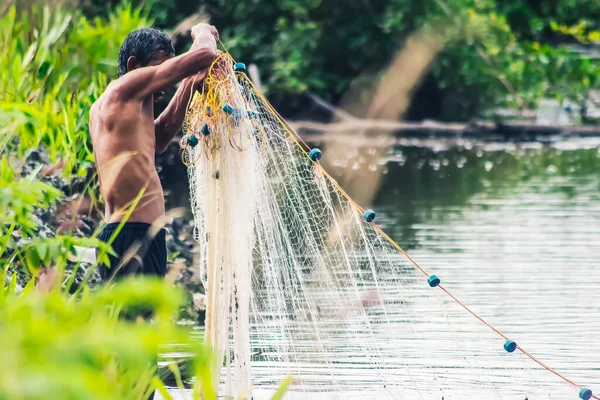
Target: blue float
{"points": [[205, 130], [433, 280], [228, 109], [585, 394], [193, 141], [253, 114], [236, 114], [510, 346], [240, 67], [369, 215], [315, 154], [208, 111]]}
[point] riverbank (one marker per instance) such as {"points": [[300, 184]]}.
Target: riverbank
{"points": [[79, 215]]}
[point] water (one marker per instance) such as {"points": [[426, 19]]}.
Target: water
{"points": [[514, 232]]}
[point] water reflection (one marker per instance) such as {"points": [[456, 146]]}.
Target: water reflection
{"points": [[514, 231], [420, 182]]}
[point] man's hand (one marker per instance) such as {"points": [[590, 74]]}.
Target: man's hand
{"points": [[205, 36], [202, 30]]}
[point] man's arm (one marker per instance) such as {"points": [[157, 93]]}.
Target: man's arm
{"points": [[142, 82], [168, 124]]}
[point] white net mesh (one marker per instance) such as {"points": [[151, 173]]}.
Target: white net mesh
{"points": [[298, 283]]}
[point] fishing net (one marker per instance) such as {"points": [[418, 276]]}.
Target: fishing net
{"points": [[302, 282]]}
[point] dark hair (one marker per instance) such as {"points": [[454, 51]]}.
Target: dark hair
{"points": [[143, 44]]}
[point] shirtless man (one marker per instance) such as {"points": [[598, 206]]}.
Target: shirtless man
{"points": [[126, 137]]}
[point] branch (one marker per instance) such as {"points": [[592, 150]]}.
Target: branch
{"points": [[255, 77], [343, 115], [477, 128], [374, 124], [182, 31]]}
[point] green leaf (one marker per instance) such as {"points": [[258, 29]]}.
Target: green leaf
{"points": [[13, 283], [33, 260], [29, 287], [160, 387], [53, 250], [44, 69], [104, 259], [42, 249]]}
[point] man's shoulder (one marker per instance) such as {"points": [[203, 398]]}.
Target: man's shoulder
{"points": [[109, 99], [105, 107], [108, 95]]}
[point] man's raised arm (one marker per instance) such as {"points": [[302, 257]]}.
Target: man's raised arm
{"points": [[145, 81], [169, 122]]}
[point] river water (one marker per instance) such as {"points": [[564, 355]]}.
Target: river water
{"points": [[514, 229]]}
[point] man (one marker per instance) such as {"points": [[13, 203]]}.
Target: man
{"points": [[126, 138]]}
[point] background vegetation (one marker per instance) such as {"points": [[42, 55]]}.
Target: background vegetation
{"points": [[58, 331], [497, 53]]}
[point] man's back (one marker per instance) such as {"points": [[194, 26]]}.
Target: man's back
{"points": [[124, 142]]}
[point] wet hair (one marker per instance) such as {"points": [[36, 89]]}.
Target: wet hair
{"points": [[143, 44]]}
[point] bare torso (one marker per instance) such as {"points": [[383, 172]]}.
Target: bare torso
{"points": [[123, 136]]}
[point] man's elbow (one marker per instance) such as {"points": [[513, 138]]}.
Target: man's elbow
{"points": [[160, 148]]}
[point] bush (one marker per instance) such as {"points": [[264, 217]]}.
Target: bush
{"points": [[497, 53]]}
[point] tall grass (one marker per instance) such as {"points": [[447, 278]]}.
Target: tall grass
{"points": [[53, 66], [56, 347]]}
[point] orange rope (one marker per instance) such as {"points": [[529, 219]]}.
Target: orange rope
{"points": [[298, 140]]}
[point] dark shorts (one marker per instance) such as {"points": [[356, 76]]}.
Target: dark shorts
{"points": [[137, 252], [148, 258]]}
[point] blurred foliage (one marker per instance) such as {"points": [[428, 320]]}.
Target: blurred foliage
{"points": [[56, 347], [498, 53], [488, 61]]}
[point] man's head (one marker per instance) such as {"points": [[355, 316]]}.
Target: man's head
{"points": [[144, 47]]}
